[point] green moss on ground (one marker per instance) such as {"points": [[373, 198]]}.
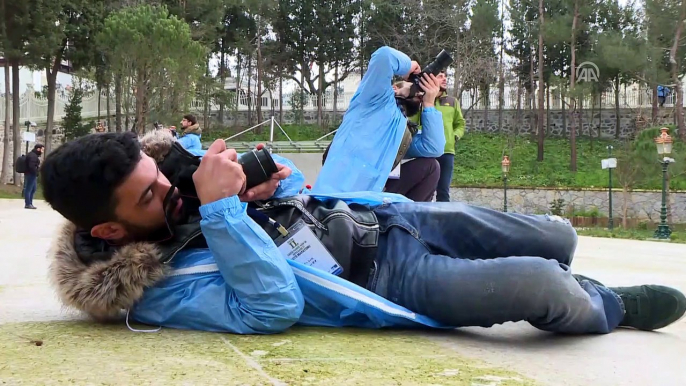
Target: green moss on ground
{"points": [[80, 352]]}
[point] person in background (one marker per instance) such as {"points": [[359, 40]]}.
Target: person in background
{"points": [[662, 93], [190, 134], [31, 175], [453, 126]]}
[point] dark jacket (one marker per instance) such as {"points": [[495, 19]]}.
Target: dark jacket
{"points": [[32, 162]]}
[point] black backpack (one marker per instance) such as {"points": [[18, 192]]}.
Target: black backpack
{"points": [[20, 164]]}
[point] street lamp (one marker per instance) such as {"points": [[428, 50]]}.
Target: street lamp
{"points": [[506, 169], [664, 150]]}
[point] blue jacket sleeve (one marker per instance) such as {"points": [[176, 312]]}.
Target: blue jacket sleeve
{"points": [[265, 296], [292, 185], [430, 142], [385, 63]]}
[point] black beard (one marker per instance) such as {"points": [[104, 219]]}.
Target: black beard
{"points": [[411, 107]]}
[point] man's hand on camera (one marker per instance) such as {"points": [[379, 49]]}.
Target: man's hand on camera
{"points": [[265, 190], [432, 87], [219, 174], [414, 69]]}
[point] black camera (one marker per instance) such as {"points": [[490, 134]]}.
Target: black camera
{"points": [[258, 166], [442, 61], [179, 165]]}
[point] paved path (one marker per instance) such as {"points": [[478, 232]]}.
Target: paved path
{"points": [[622, 358]]}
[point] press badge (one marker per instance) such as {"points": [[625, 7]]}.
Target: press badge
{"points": [[303, 246]]}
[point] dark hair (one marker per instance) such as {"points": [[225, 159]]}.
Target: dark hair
{"points": [[191, 118], [38, 146], [79, 178]]}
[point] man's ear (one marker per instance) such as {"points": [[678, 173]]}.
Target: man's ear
{"points": [[109, 231]]}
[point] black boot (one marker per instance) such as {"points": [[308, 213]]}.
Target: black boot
{"points": [[651, 307]]}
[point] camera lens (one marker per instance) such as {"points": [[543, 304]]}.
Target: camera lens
{"points": [[258, 166]]}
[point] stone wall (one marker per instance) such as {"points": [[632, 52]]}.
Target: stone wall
{"points": [[644, 205], [521, 122]]}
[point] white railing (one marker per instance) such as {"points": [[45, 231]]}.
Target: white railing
{"points": [[33, 107]]}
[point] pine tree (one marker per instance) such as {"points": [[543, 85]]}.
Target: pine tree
{"points": [[73, 127]]}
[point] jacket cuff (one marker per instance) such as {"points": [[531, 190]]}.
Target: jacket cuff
{"points": [[231, 205], [429, 109]]}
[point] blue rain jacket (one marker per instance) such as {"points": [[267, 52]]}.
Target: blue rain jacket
{"points": [[367, 142], [241, 284], [191, 142]]}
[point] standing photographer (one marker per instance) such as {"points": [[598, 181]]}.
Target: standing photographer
{"points": [[454, 125], [369, 140]]}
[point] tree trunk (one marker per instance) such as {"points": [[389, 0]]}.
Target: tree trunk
{"points": [[99, 91], [280, 98], [109, 114], [206, 98], [675, 73], [547, 108], [141, 102], [222, 76], [238, 87], [617, 118], [259, 72], [518, 118], [487, 102], [52, 86], [250, 93], [335, 96], [301, 113], [362, 16], [572, 132], [564, 115], [117, 102], [541, 134], [600, 116], [15, 116], [590, 126], [6, 139], [127, 103], [655, 107], [320, 95]]}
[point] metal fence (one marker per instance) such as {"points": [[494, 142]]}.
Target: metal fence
{"points": [[34, 107]]}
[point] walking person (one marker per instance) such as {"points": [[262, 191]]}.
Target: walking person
{"points": [[31, 175]]}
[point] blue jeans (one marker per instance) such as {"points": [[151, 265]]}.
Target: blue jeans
{"points": [[30, 185], [447, 162], [468, 266]]}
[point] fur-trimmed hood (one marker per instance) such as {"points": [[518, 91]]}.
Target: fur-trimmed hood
{"points": [[192, 129], [101, 280]]}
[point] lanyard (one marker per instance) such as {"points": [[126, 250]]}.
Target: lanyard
{"points": [[263, 219]]}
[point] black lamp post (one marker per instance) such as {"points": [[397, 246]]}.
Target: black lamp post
{"points": [[664, 150], [506, 169]]}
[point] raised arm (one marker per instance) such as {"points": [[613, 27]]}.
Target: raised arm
{"points": [[383, 65], [430, 142]]}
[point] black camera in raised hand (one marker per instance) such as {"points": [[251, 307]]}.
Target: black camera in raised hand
{"points": [[179, 165], [442, 61]]}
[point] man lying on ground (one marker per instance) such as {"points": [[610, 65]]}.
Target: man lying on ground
{"points": [[193, 254]]}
